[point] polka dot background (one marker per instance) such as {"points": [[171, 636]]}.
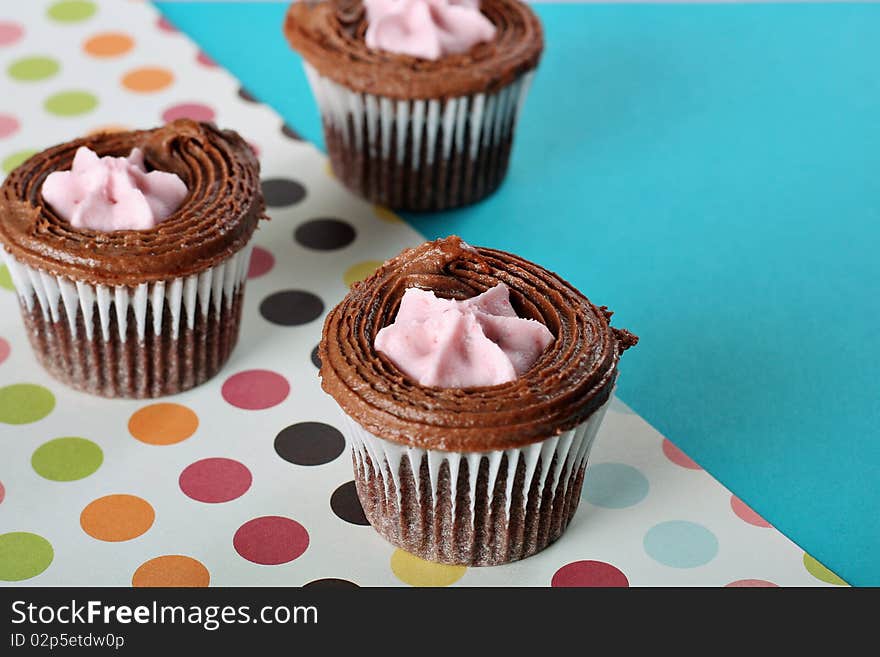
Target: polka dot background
{"points": [[108, 44], [98, 492], [117, 518], [215, 480], [173, 570]]}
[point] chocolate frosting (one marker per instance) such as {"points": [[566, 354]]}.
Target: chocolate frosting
{"points": [[217, 218], [573, 377], [330, 36]]}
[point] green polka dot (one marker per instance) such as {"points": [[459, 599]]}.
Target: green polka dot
{"points": [[22, 403], [71, 103], [71, 11], [12, 161], [23, 555], [5, 278], [31, 69], [820, 572], [67, 459]]}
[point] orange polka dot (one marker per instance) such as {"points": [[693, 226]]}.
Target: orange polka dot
{"points": [[108, 44], [117, 518], [171, 570], [148, 79], [163, 424], [111, 127]]}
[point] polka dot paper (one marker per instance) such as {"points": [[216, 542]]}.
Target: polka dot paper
{"points": [[247, 479]]}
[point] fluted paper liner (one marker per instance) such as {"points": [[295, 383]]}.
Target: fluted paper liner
{"points": [[419, 154], [480, 508], [145, 341]]}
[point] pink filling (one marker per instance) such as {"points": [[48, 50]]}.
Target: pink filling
{"points": [[113, 193], [462, 344], [428, 29]]}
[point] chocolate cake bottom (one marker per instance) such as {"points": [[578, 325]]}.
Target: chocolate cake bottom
{"points": [[451, 528], [422, 185], [152, 366]]}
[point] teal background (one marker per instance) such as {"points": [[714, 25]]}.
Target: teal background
{"points": [[711, 174]]}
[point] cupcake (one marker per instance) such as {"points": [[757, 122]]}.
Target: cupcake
{"points": [[419, 98], [473, 383], [129, 252]]}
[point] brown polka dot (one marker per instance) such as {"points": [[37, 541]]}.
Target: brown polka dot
{"points": [[282, 192], [246, 95], [309, 443], [291, 307], [325, 234], [330, 583], [346, 505], [290, 133]]}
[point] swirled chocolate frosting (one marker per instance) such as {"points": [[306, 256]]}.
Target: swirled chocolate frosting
{"points": [[330, 36], [572, 378], [217, 218]]}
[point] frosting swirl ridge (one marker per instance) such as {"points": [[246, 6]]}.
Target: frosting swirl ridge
{"points": [[217, 217], [331, 37], [573, 377]]}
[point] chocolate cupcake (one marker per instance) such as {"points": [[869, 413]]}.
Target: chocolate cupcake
{"points": [[473, 384], [129, 252], [419, 98]]}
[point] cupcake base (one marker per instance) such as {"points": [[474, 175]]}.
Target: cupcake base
{"points": [[478, 509], [435, 534], [418, 185], [150, 340], [423, 154], [156, 366]]}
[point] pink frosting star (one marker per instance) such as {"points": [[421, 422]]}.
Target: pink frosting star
{"points": [[462, 344], [113, 193], [428, 29]]}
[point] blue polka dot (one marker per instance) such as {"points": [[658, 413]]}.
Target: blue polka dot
{"points": [[681, 544], [614, 485]]}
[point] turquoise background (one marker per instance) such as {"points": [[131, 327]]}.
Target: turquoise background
{"points": [[711, 174]]}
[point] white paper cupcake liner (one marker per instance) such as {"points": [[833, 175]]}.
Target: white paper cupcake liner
{"points": [[426, 154], [83, 333], [504, 505]]}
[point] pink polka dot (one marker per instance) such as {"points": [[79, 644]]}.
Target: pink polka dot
{"points": [[165, 25], [255, 149], [271, 540], [589, 573], [2, 493], [254, 390], [215, 480], [8, 125], [194, 111], [204, 60], [10, 33], [4, 350], [678, 457], [262, 262], [745, 513], [755, 583]]}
